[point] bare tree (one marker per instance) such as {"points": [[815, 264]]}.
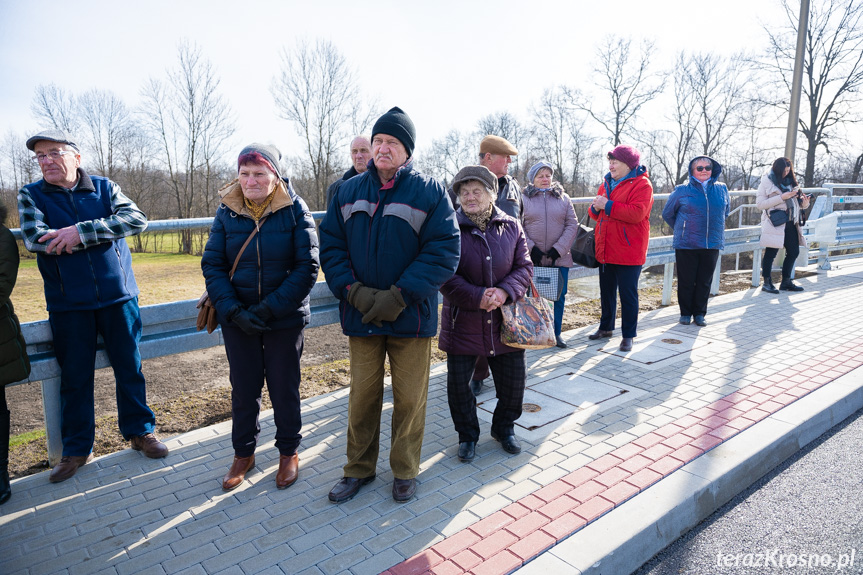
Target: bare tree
{"points": [[832, 70], [448, 155], [671, 148], [717, 85], [106, 123], [16, 169], [628, 82], [551, 128], [193, 124], [507, 126], [55, 107], [318, 91]]}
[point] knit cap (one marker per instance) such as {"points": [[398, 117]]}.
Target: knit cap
{"points": [[268, 151], [534, 169], [397, 124], [626, 154]]}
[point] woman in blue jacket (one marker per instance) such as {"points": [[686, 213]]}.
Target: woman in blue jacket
{"points": [[266, 231], [696, 211]]}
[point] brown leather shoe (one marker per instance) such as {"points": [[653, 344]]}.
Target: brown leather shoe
{"points": [[288, 471], [598, 334], [626, 344], [67, 467], [347, 487], [404, 489], [237, 472], [150, 446]]}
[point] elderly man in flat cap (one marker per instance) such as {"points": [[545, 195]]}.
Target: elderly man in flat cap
{"points": [[76, 225], [389, 241]]}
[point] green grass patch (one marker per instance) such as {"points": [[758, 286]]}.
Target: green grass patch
{"points": [[28, 437]]}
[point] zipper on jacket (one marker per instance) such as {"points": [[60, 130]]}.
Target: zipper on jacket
{"points": [[258, 251], [120, 263], [60, 277], [707, 227], [89, 259]]}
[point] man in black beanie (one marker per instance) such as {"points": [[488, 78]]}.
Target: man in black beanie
{"points": [[389, 241]]}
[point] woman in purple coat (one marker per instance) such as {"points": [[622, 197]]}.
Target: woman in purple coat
{"points": [[494, 269]]}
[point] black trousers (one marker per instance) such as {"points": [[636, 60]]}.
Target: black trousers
{"points": [[509, 371], [792, 250], [615, 278], [273, 356], [694, 275]]}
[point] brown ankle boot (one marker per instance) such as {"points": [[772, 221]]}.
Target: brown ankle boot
{"points": [[288, 470], [237, 472]]}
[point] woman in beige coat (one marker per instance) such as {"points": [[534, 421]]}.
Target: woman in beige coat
{"points": [[779, 191]]}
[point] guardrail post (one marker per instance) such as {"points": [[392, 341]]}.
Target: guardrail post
{"points": [[667, 277], [756, 267], [51, 410]]}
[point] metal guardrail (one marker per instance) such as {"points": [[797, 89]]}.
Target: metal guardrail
{"points": [[169, 328]]}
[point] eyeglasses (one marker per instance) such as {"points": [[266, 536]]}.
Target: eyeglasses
{"points": [[54, 156], [703, 168]]}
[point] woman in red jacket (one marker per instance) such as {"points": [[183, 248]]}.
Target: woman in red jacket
{"points": [[622, 212]]}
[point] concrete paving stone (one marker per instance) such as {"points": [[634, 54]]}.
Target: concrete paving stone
{"points": [[56, 563], [458, 503], [114, 543], [136, 522], [353, 519], [425, 521], [326, 516], [162, 539], [549, 460], [251, 503], [152, 559], [198, 539], [109, 520], [345, 560], [453, 490], [158, 503], [278, 536], [51, 514], [120, 504], [144, 487], [456, 523], [377, 563], [306, 560], [103, 563], [387, 538], [181, 507], [197, 555], [350, 539], [282, 505], [548, 475], [419, 542], [488, 506], [224, 562], [57, 531], [491, 487], [318, 536]]}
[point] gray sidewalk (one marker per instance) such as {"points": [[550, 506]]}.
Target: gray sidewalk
{"points": [[608, 431]]}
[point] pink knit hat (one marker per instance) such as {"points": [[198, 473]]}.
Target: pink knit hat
{"points": [[626, 154]]}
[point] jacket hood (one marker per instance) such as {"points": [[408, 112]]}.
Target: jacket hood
{"points": [[714, 175], [556, 189], [232, 196]]}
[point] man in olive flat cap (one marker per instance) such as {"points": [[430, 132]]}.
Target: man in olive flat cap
{"points": [[389, 241], [76, 224]]}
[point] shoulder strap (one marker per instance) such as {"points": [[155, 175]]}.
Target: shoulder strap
{"points": [[246, 243]]}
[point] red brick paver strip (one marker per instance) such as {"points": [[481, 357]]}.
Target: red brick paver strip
{"points": [[507, 539]]}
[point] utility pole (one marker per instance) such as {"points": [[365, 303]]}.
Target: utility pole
{"points": [[797, 84]]}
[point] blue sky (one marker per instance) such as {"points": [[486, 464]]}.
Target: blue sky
{"points": [[446, 63]]}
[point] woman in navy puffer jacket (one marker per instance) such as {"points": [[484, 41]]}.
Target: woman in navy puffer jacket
{"points": [[696, 211], [494, 268], [264, 307]]}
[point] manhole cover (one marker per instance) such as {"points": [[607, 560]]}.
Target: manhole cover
{"points": [[669, 340], [530, 407]]}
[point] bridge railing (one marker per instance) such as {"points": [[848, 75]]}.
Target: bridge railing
{"points": [[169, 328]]}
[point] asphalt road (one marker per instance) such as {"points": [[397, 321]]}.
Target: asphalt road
{"points": [[806, 516]]}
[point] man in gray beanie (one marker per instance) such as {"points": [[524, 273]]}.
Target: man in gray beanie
{"points": [[76, 225], [389, 241]]}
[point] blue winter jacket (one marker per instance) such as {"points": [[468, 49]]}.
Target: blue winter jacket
{"points": [[279, 267], [97, 276], [697, 212], [403, 233]]}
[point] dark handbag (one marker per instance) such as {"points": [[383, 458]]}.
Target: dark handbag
{"points": [[206, 310], [528, 323], [548, 281], [778, 217], [584, 246]]}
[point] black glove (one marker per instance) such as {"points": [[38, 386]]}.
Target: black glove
{"points": [[248, 322], [536, 256], [263, 311], [389, 304], [362, 297], [553, 255]]}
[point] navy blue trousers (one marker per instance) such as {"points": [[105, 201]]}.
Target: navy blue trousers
{"points": [[75, 335], [615, 278], [273, 356], [509, 371]]}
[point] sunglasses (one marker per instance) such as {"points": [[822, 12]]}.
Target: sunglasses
{"points": [[703, 168]]}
